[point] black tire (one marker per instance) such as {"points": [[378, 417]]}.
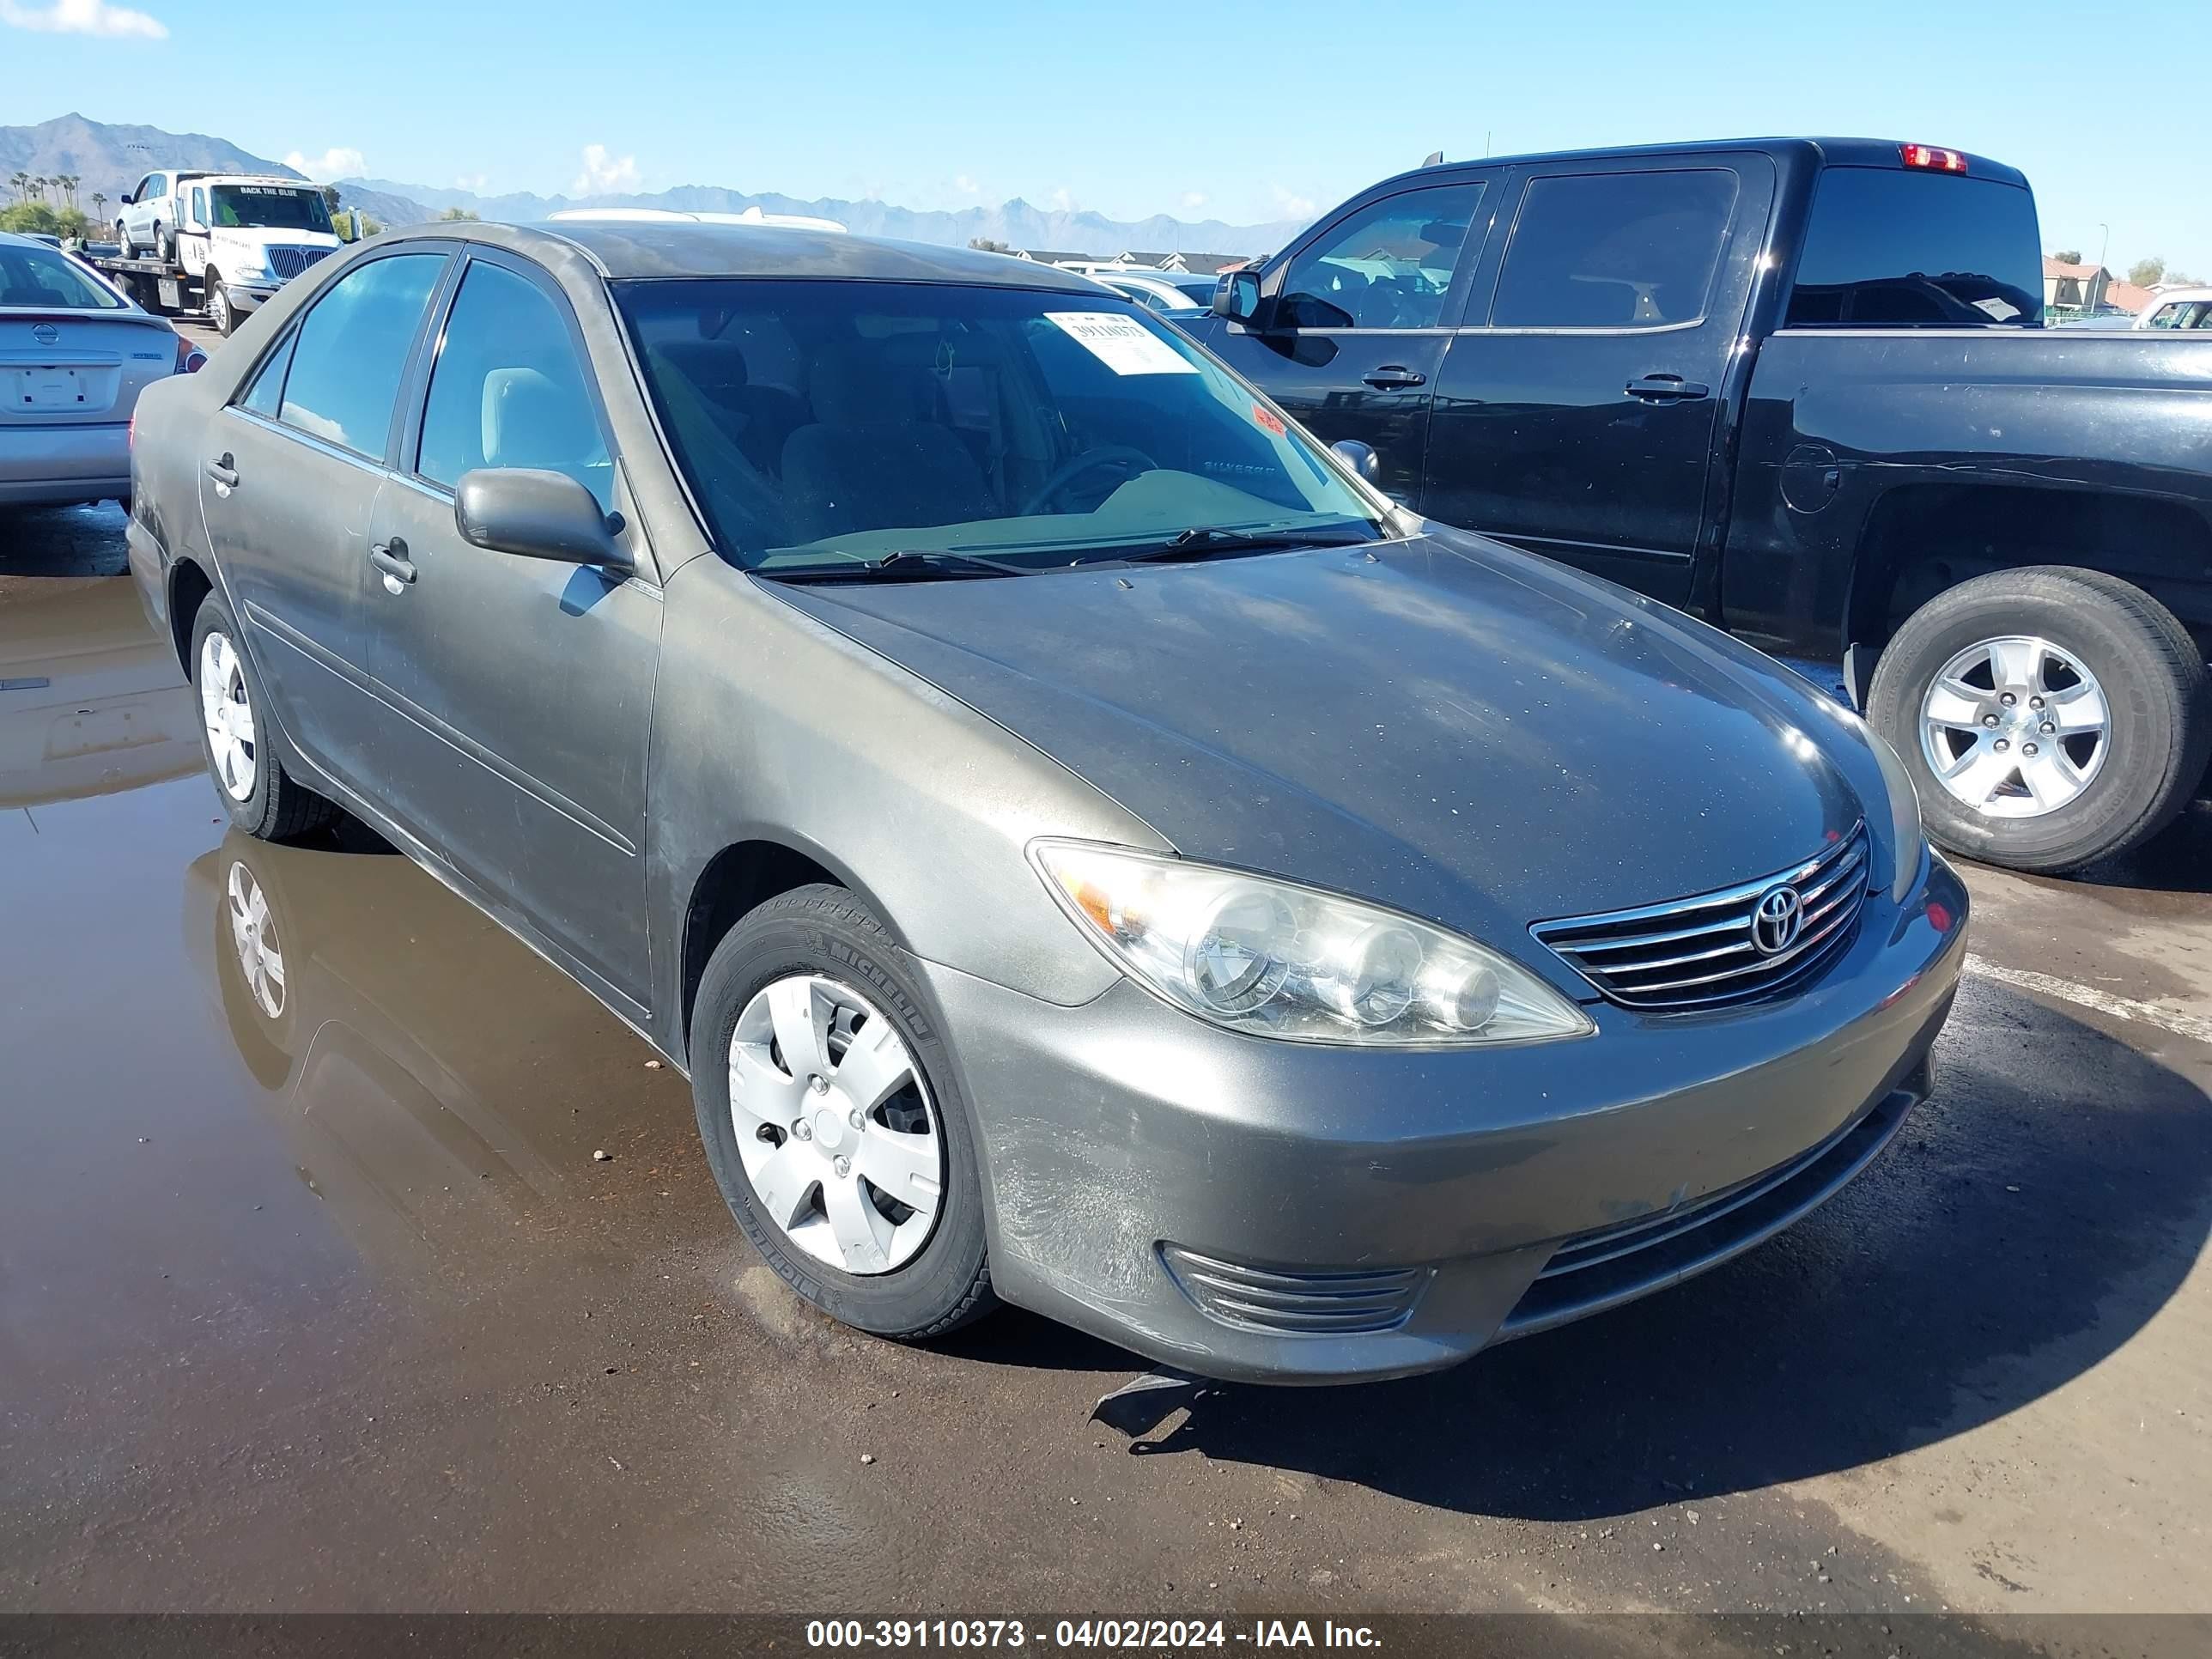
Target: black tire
{"points": [[825, 930], [123, 242], [277, 808], [2156, 690], [218, 306], [165, 243]]}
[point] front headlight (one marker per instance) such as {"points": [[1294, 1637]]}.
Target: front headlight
{"points": [[1274, 959], [1904, 828]]}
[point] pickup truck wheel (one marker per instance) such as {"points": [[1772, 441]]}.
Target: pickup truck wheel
{"points": [[218, 304], [2049, 716], [834, 1122], [259, 794]]}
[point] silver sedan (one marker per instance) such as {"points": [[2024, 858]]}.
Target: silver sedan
{"points": [[74, 354]]}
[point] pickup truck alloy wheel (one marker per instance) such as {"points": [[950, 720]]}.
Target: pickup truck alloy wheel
{"points": [[2014, 727], [834, 1125], [228, 714], [2049, 716]]}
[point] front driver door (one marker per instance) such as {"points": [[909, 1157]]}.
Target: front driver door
{"points": [[289, 474], [1352, 323], [524, 687]]}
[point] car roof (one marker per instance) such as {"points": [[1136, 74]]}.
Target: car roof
{"points": [[626, 252]]}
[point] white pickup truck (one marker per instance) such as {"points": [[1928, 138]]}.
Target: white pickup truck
{"points": [[220, 243]]}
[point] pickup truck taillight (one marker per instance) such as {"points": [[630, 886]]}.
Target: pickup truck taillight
{"points": [[1929, 156], [191, 360]]}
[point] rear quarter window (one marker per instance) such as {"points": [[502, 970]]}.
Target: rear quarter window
{"points": [[1888, 248]]}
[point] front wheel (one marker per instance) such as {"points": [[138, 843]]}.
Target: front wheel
{"points": [[2049, 716], [123, 242], [833, 1121], [259, 794], [218, 303], [165, 242]]}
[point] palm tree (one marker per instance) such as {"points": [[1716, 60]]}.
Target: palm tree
{"points": [[100, 205], [68, 182], [21, 181], [38, 187]]}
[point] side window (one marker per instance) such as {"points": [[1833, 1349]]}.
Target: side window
{"points": [[199, 206], [1618, 250], [1388, 266], [509, 389], [267, 395], [1890, 248], [352, 351]]}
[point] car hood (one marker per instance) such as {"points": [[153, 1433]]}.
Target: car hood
{"points": [[1468, 732]]}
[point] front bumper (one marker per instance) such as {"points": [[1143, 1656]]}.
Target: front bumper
{"points": [[250, 297], [63, 465], [1277, 1212]]}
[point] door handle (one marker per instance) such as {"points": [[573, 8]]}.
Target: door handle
{"points": [[1667, 389], [221, 470], [390, 557], [1393, 377]]}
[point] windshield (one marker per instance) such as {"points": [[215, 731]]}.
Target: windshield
{"points": [[823, 423], [41, 278], [269, 207]]}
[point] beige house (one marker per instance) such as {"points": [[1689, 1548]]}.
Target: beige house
{"points": [[2074, 287]]}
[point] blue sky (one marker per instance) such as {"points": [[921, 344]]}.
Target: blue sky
{"points": [[1196, 107]]}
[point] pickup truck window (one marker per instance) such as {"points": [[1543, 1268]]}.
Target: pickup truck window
{"points": [[1622, 250], [1891, 249], [2183, 314], [1387, 266]]}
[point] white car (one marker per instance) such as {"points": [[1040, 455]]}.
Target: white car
{"points": [[74, 354], [2178, 307], [1167, 292], [244, 234]]}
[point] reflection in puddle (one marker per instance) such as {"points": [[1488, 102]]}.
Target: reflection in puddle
{"points": [[430, 1074], [92, 701]]}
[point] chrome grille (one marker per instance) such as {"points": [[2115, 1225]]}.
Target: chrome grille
{"points": [[1710, 952], [1296, 1303], [289, 262]]}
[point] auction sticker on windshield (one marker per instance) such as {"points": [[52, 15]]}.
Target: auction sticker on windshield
{"points": [[1122, 343]]}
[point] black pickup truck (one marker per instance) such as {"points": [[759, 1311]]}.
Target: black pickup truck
{"points": [[1801, 388]]}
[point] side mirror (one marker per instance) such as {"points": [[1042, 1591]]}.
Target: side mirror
{"points": [[1237, 298], [126, 200], [535, 515], [1359, 457]]}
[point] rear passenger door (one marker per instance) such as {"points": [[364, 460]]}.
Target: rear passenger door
{"points": [[289, 475], [1354, 321], [1579, 412], [522, 689]]}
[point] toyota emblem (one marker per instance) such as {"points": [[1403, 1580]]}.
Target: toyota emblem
{"points": [[45, 334], [1776, 920]]}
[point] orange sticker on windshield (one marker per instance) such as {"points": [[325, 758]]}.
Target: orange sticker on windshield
{"points": [[1272, 422]]}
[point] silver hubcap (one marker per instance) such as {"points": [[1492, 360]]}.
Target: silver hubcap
{"points": [[253, 935], [836, 1130], [228, 715], [2014, 728]]}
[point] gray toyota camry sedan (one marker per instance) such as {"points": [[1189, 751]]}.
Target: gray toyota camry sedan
{"points": [[1086, 847]]}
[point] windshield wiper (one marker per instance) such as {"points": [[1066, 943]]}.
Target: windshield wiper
{"points": [[907, 564], [1202, 540]]}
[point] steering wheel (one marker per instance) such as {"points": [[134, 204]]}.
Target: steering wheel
{"points": [[1090, 461]]}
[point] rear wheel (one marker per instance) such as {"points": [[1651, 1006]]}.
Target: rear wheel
{"points": [[2049, 716], [256, 791]]}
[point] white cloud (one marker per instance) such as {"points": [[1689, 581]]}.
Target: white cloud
{"points": [[1192, 200], [964, 185], [83, 17], [472, 181], [336, 162], [1290, 204], [1062, 200], [605, 174]]}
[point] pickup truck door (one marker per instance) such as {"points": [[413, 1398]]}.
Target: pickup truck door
{"points": [[522, 688], [1354, 319], [193, 242], [1580, 411]]}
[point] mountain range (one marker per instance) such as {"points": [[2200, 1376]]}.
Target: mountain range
{"points": [[108, 160]]}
